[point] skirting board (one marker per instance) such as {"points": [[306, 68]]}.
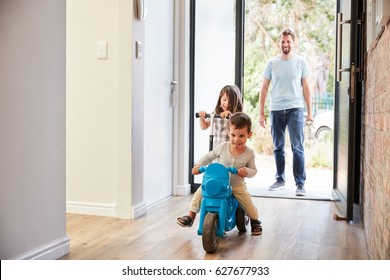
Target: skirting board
{"points": [[107, 210], [50, 251], [139, 210], [76, 207]]}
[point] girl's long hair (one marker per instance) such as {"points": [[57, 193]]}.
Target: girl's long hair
{"points": [[235, 99]]}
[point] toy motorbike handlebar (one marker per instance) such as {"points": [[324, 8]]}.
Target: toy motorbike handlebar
{"points": [[231, 169]]}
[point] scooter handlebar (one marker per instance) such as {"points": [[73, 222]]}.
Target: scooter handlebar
{"points": [[209, 116]]}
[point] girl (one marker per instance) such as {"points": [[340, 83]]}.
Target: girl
{"points": [[229, 102]]}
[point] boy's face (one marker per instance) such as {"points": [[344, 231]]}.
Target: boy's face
{"points": [[238, 136]]}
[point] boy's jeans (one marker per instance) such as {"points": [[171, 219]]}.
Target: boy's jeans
{"points": [[293, 119]]}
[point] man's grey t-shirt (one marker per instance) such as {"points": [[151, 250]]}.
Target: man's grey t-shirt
{"points": [[286, 81]]}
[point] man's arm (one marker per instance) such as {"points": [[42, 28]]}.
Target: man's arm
{"points": [[262, 98], [307, 97]]}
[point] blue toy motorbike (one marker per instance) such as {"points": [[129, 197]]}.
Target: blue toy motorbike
{"points": [[219, 211]]}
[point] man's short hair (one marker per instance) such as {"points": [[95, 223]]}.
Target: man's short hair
{"points": [[286, 32]]}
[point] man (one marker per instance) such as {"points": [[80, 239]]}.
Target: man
{"points": [[288, 72]]}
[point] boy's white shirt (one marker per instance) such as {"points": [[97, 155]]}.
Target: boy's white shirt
{"points": [[221, 154]]}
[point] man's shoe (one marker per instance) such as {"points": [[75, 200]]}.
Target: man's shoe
{"points": [[278, 185], [300, 191]]}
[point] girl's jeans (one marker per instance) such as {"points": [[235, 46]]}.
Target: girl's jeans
{"points": [[293, 119]]}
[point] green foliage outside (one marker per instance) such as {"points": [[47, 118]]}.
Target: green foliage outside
{"points": [[319, 154]]}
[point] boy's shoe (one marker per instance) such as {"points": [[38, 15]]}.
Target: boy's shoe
{"points": [[257, 229], [185, 221], [300, 190], [278, 185]]}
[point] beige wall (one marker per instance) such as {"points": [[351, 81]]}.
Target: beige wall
{"points": [[98, 108], [375, 149]]}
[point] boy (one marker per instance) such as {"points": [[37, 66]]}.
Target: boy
{"points": [[231, 153]]}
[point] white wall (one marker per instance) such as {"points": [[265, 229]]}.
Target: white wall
{"points": [[99, 108], [32, 125]]}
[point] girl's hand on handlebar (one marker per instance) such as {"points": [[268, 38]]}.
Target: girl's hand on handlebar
{"points": [[202, 114], [195, 170], [242, 172], [204, 123], [225, 114]]}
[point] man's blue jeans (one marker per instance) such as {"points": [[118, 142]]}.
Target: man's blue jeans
{"points": [[293, 119]]}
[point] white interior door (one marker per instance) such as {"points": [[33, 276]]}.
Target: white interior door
{"points": [[158, 118]]}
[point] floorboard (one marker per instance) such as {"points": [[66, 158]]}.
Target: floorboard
{"points": [[292, 230]]}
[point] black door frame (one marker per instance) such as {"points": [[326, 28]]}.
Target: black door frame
{"points": [[192, 95]]}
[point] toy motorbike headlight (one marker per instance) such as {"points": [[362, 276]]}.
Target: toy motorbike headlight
{"points": [[213, 187]]}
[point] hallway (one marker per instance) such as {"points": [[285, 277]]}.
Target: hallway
{"points": [[292, 230]]}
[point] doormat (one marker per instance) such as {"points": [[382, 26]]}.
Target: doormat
{"points": [[289, 193]]}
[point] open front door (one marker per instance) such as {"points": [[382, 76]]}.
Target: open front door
{"points": [[347, 106]]}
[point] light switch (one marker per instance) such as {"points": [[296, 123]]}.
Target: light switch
{"points": [[101, 50], [138, 50]]}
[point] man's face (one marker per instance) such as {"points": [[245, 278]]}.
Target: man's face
{"points": [[286, 44]]}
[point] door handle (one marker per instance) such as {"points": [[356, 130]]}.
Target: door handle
{"points": [[339, 70], [173, 93], [352, 88]]}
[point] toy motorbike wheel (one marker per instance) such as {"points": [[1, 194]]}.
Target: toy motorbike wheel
{"points": [[210, 239], [242, 219]]}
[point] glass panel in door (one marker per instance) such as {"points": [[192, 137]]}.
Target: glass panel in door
{"points": [[214, 62]]}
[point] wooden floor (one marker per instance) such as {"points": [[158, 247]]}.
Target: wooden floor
{"points": [[292, 229]]}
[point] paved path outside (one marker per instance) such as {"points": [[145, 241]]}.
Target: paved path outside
{"points": [[319, 181]]}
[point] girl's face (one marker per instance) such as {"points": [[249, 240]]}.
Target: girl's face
{"points": [[225, 103]]}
